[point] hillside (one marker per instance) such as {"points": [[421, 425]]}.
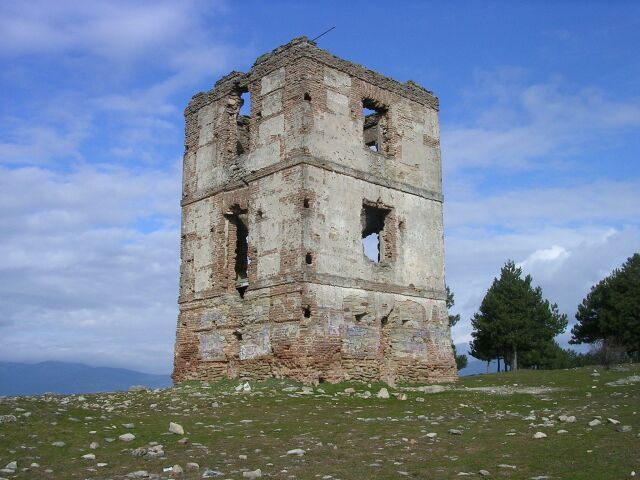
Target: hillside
{"points": [[67, 378], [483, 427]]}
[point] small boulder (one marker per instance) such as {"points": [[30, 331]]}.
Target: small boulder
{"points": [[594, 422], [177, 470], [127, 437], [252, 474], [58, 444], [383, 393], [455, 431], [176, 428], [296, 451], [89, 456], [539, 435]]}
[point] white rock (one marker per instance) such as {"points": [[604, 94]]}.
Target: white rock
{"points": [[296, 451], [239, 388], [12, 465], [431, 435], [539, 435], [192, 466], [562, 431], [613, 420], [383, 393], [246, 387], [58, 444], [176, 428], [594, 422], [177, 469], [89, 456], [433, 389], [94, 445], [252, 474], [127, 437]]}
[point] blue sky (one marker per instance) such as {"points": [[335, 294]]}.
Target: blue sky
{"points": [[540, 120]]}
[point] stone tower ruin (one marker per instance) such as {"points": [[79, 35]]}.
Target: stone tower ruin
{"points": [[276, 207]]}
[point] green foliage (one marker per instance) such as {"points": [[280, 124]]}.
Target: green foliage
{"points": [[610, 313], [550, 356], [513, 318], [461, 360]]}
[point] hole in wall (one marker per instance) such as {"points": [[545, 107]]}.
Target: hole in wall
{"points": [[374, 125], [307, 97], [238, 335], [243, 121], [307, 312], [241, 290], [373, 220], [305, 203], [308, 259], [259, 214]]}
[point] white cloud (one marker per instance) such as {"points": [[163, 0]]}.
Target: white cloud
{"points": [[89, 265], [514, 126]]}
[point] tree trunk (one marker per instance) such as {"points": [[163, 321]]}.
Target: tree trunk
{"points": [[498, 364], [514, 364]]}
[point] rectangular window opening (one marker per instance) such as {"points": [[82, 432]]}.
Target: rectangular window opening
{"points": [[243, 121], [241, 259], [373, 223], [374, 125]]}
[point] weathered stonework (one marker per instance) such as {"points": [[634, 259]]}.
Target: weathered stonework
{"points": [[274, 280]]}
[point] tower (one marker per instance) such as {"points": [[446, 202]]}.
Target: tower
{"points": [[312, 236]]}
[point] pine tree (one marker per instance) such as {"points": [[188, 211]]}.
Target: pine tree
{"points": [[610, 313], [513, 317]]}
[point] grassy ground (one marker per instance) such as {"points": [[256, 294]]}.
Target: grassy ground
{"points": [[344, 436]]}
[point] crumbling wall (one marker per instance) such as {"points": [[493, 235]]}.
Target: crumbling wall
{"points": [[294, 186]]}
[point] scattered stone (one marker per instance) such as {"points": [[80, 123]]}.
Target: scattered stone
{"points": [[138, 388], [539, 435], [127, 437], [12, 466], [176, 428], [431, 435], [306, 390], [192, 466], [94, 445], [624, 428], [242, 457], [183, 441], [138, 474], [252, 474], [177, 469], [594, 422], [349, 390], [433, 389], [455, 431], [58, 444], [246, 388], [208, 473], [7, 418], [562, 431], [383, 393], [89, 456], [484, 473], [296, 451], [614, 421], [506, 465], [128, 425], [34, 465]]}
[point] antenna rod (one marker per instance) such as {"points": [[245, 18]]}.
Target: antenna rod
{"points": [[323, 33]]}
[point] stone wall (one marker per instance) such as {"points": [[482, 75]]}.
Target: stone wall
{"points": [[301, 176]]}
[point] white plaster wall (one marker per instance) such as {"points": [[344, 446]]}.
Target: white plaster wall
{"points": [[335, 232]]}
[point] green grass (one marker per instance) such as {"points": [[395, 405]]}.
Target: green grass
{"points": [[346, 437]]}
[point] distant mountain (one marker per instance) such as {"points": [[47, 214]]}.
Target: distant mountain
{"points": [[67, 378]]}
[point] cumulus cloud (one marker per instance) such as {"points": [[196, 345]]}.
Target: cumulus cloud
{"points": [[89, 265], [568, 234]]}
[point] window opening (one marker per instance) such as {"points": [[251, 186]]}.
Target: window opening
{"points": [[307, 312], [305, 203], [309, 259], [307, 97], [243, 121], [241, 249], [374, 125], [373, 219]]}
